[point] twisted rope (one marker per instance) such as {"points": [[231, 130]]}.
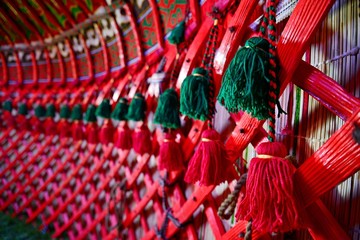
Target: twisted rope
{"points": [[227, 207]]}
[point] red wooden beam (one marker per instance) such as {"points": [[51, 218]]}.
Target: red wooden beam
{"points": [[319, 85], [5, 71], [17, 60], [57, 191], [34, 176], [94, 196]]}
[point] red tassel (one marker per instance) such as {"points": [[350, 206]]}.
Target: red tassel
{"points": [[210, 164], [92, 133], [170, 154], [107, 132], [64, 129], [22, 123], [77, 131], [141, 139], [269, 199], [37, 124], [50, 127], [9, 119], [123, 138]]}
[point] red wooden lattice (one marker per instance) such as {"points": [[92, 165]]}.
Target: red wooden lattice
{"points": [[67, 184]]}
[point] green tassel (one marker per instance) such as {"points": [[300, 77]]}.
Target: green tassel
{"points": [[65, 112], [194, 95], [137, 108], [245, 84], [40, 111], [167, 111], [22, 109], [121, 109], [7, 105], [50, 111], [177, 34], [90, 114], [76, 113], [104, 109]]}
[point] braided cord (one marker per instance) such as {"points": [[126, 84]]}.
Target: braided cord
{"points": [[213, 36], [227, 207], [273, 85]]}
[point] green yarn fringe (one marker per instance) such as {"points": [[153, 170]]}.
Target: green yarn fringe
{"points": [[65, 112], [50, 111], [7, 105], [177, 34], [22, 109], [40, 111], [137, 108], [76, 113], [245, 84], [104, 109], [167, 111], [194, 95], [90, 115], [121, 110]]}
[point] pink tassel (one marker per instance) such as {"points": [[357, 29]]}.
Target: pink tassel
{"points": [[210, 164], [170, 154], [92, 133], [123, 138], [269, 199], [141, 139], [77, 131], [107, 132]]}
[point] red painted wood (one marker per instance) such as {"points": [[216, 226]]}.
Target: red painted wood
{"points": [[93, 197], [322, 224], [5, 71], [36, 175], [213, 218], [329, 167], [318, 85], [36, 193], [29, 163]]}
